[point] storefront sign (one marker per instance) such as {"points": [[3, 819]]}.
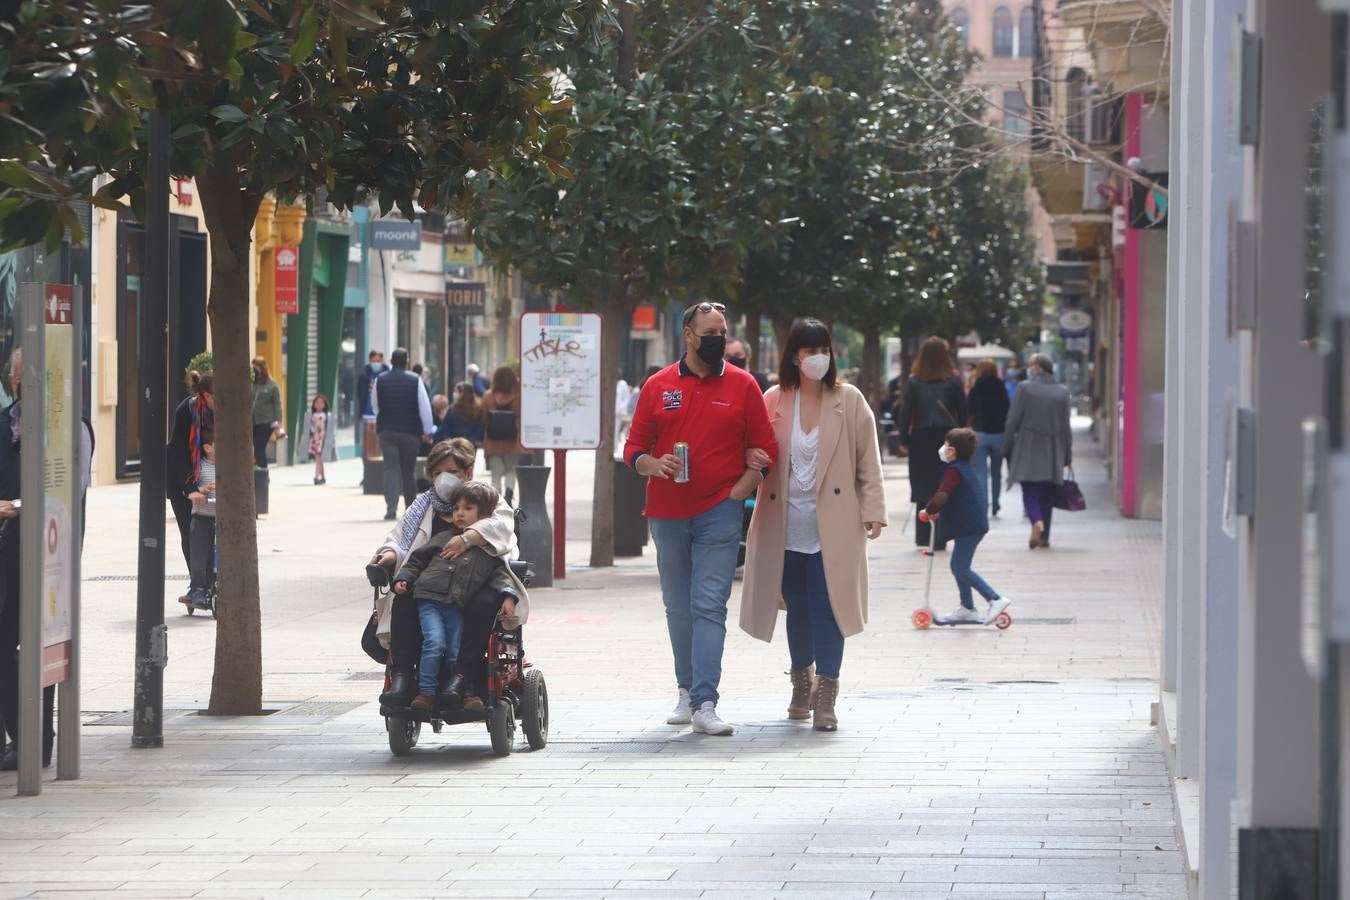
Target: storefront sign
{"points": [[645, 318], [1075, 320], [395, 235], [287, 281], [459, 256], [466, 298], [560, 380]]}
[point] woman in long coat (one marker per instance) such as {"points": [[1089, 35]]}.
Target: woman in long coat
{"points": [[807, 546], [934, 403], [1039, 445]]}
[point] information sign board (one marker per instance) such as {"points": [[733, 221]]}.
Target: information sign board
{"points": [[560, 356], [287, 281]]}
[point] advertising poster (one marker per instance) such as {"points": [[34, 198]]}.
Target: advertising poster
{"points": [[59, 484], [560, 380]]}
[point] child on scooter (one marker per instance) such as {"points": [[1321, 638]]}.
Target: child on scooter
{"points": [[960, 503], [444, 587], [202, 530]]}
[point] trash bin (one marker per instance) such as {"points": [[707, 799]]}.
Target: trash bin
{"points": [[372, 461], [630, 526], [260, 485], [536, 530]]}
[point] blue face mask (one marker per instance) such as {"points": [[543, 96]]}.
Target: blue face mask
{"points": [[377, 367]]}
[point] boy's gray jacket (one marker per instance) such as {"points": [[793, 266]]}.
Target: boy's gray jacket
{"points": [[454, 580]]}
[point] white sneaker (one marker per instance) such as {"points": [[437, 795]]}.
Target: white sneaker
{"points": [[961, 614], [995, 608], [682, 714], [706, 721]]}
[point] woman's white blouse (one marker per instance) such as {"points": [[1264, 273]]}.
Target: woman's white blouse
{"points": [[803, 534]]}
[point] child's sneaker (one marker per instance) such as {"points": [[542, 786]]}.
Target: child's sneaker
{"points": [[423, 703], [996, 608], [961, 614]]}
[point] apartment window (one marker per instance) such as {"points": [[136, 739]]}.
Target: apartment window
{"points": [[1003, 32], [1075, 104], [961, 19], [1026, 33], [1015, 123]]}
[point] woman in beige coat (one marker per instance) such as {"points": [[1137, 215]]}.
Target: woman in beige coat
{"points": [[813, 515]]}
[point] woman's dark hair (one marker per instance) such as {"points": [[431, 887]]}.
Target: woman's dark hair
{"points": [[504, 380], [466, 403], [934, 362], [478, 495], [313, 404], [964, 442], [805, 333]]}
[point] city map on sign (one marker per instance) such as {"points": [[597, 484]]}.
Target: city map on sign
{"points": [[560, 380]]}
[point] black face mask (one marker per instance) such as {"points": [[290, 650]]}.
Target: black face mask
{"points": [[739, 362], [711, 347]]}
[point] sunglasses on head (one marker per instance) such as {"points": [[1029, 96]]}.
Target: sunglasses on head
{"points": [[702, 308]]}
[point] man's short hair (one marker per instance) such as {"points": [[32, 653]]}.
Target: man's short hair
{"points": [[478, 495], [399, 359], [373, 354], [1044, 363]]}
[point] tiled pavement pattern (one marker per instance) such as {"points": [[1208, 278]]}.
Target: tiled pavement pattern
{"points": [[969, 763]]}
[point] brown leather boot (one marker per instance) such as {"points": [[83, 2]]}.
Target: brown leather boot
{"points": [[803, 692], [827, 692]]}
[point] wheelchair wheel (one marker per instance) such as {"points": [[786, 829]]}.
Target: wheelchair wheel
{"points": [[534, 710], [403, 734], [502, 727]]}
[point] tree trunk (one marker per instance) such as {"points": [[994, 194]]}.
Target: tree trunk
{"points": [[602, 503], [781, 326], [871, 366], [753, 326], [236, 684]]}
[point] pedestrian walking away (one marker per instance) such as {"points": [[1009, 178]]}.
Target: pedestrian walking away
{"points": [[695, 427], [813, 517], [403, 418], [478, 379], [1038, 440], [933, 403], [501, 430], [194, 416], [958, 511], [449, 464], [464, 418], [320, 436], [267, 411], [988, 404]]}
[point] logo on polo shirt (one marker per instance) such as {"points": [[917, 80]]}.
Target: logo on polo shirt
{"points": [[671, 399]]}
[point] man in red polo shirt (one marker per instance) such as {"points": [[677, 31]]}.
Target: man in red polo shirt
{"points": [[718, 410]]}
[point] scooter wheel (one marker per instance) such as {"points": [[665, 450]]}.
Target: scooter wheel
{"points": [[1003, 621], [922, 619]]}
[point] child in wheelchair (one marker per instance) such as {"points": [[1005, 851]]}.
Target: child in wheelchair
{"points": [[445, 591]]}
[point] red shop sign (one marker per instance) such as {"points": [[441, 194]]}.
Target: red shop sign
{"points": [[287, 282], [57, 303]]}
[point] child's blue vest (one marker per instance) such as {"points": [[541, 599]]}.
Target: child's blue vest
{"points": [[965, 513]]}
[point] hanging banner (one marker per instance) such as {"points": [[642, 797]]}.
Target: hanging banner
{"points": [[287, 281], [460, 256]]}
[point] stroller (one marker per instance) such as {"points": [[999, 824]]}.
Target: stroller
{"points": [[515, 690]]}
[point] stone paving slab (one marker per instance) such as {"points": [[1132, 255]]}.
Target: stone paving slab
{"points": [[970, 763]]}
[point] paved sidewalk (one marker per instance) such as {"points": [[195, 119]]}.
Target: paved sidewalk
{"points": [[970, 763]]}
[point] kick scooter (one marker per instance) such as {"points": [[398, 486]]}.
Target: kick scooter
{"points": [[924, 617]]}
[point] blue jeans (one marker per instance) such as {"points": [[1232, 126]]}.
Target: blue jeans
{"points": [[697, 561], [963, 554], [813, 634], [442, 628], [988, 463]]}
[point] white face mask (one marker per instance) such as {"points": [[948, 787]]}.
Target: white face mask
{"points": [[946, 453], [815, 366], [445, 485]]}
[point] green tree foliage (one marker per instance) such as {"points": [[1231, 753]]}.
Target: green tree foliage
{"points": [[403, 98], [682, 117]]}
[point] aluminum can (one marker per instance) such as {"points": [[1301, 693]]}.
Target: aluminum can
{"points": [[682, 454]]}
